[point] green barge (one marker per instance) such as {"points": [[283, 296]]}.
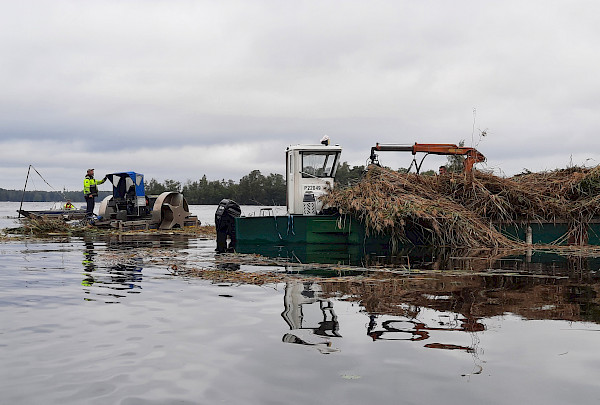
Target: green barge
{"points": [[310, 174]]}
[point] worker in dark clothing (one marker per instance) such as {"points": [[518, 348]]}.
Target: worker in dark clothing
{"points": [[225, 216], [90, 191]]}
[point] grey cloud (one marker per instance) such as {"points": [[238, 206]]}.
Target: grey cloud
{"points": [[110, 78]]}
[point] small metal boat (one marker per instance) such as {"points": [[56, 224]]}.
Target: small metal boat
{"points": [[59, 210]]}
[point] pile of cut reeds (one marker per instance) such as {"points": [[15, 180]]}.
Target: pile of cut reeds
{"points": [[571, 195], [458, 210], [46, 226]]}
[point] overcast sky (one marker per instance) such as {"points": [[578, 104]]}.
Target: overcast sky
{"points": [[177, 89]]}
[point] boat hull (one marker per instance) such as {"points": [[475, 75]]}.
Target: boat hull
{"points": [[553, 233], [319, 229], [335, 229]]}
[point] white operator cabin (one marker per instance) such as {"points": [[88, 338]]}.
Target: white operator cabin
{"points": [[310, 170]]}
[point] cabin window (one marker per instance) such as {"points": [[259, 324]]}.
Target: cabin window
{"points": [[319, 164]]}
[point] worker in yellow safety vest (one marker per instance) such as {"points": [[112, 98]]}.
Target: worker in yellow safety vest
{"points": [[69, 205], [90, 191]]}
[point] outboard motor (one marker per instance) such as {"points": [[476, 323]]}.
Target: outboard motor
{"points": [[225, 216]]}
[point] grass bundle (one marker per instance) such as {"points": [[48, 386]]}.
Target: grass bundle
{"points": [[45, 226], [458, 210]]}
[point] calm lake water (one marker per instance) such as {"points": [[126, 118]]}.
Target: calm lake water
{"points": [[112, 321]]}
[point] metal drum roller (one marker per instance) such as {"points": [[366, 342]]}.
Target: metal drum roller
{"points": [[170, 210], [106, 209]]}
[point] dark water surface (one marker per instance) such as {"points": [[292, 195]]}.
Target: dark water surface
{"points": [[112, 321]]}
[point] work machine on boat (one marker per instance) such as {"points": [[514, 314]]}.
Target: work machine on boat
{"points": [[310, 173], [130, 208], [127, 208]]}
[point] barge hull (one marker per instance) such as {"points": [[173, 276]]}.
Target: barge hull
{"points": [[346, 230], [320, 229]]}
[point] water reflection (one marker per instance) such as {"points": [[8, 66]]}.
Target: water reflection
{"points": [[109, 282], [307, 253], [88, 263], [436, 310], [395, 329], [309, 313], [310, 316], [559, 262], [476, 297], [142, 241], [117, 270]]}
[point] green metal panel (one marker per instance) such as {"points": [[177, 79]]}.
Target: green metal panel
{"points": [[330, 229], [512, 231], [320, 229], [549, 233], [541, 234], [594, 234]]}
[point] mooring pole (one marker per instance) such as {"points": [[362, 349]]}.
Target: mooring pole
{"points": [[24, 187], [529, 235]]}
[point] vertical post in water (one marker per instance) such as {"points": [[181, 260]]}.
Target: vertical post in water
{"points": [[24, 187], [529, 235], [529, 241]]}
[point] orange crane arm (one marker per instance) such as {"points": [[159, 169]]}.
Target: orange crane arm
{"points": [[472, 155]]}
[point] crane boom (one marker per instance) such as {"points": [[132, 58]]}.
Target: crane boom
{"points": [[472, 155]]}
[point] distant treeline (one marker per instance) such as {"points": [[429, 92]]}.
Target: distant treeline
{"points": [[45, 196], [252, 189]]}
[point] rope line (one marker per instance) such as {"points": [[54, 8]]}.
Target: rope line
{"points": [[42, 177]]}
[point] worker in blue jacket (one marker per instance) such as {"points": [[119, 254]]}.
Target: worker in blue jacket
{"points": [[90, 191]]}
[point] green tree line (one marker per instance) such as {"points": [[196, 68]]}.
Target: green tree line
{"points": [[252, 189], [45, 196]]}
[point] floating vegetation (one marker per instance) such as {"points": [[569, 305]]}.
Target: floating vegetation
{"points": [[42, 226], [50, 227], [458, 210], [237, 277]]}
